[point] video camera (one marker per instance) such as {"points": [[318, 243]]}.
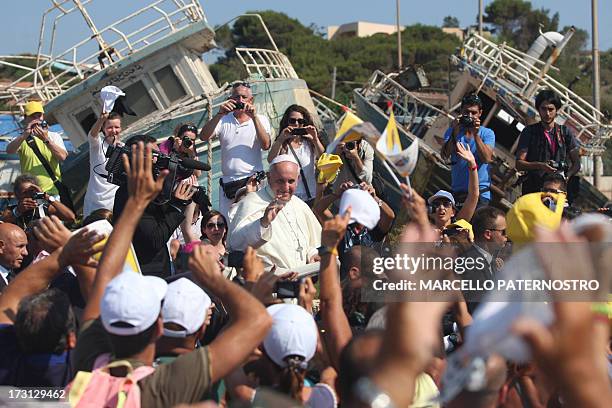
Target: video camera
{"points": [[173, 163]]}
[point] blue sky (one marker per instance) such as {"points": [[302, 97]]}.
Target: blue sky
{"points": [[21, 19]]}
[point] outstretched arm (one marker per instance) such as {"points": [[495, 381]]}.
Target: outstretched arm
{"points": [[250, 320], [37, 277], [337, 329], [471, 202]]}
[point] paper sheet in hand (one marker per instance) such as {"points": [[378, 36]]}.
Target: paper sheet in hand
{"points": [[303, 271], [104, 227]]}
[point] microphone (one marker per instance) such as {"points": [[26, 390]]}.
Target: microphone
{"points": [[194, 164]]}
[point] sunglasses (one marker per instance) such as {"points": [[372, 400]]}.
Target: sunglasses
{"points": [[218, 225], [441, 203], [187, 128], [297, 121], [552, 190], [501, 231], [245, 84]]}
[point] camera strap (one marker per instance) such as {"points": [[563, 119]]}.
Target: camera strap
{"points": [[301, 172], [62, 189], [32, 143]]}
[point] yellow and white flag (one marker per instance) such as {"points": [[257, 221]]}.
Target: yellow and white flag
{"points": [[390, 147], [345, 133]]}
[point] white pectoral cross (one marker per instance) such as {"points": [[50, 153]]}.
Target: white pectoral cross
{"points": [[299, 250]]}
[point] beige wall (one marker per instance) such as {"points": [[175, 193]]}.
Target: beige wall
{"points": [[360, 29]]}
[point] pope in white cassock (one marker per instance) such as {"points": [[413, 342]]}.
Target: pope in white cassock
{"points": [[277, 224]]}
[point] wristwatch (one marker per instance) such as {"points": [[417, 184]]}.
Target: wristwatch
{"points": [[46, 142], [324, 250]]}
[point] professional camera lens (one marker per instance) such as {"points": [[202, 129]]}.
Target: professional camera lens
{"points": [[351, 145], [466, 120], [187, 142], [238, 105]]}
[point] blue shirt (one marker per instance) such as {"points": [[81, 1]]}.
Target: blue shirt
{"points": [[30, 370], [459, 168]]}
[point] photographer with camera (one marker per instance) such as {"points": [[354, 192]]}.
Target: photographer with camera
{"points": [[466, 129], [357, 162], [243, 134], [160, 218], [101, 193], [33, 203], [300, 138], [546, 147], [40, 145]]}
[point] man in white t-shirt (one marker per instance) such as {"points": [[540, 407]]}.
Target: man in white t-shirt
{"points": [[104, 133], [243, 134]]}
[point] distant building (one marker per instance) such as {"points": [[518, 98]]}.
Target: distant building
{"points": [[456, 31], [359, 29]]}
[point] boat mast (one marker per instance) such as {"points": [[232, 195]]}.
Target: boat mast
{"points": [[480, 12], [399, 35], [93, 28], [597, 160]]}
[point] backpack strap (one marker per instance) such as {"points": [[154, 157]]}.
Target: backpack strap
{"points": [[301, 172]]}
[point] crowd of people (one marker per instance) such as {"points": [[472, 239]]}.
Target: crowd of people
{"points": [[262, 301]]}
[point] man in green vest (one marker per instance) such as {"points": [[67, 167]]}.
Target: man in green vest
{"points": [[50, 144]]}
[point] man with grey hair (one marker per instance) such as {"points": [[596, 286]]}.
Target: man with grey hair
{"points": [[277, 224], [243, 134]]}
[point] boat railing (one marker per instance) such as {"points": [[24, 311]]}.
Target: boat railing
{"points": [[499, 62], [266, 64], [411, 111], [56, 72]]}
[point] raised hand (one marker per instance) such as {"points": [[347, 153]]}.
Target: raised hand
{"points": [[80, 248], [227, 107], [204, 263], [308, 292], [567, 350], [415, 205], [51, 233], [271, 212], [142, 187], [184, 191], [466, 154], [249, 109], [252, 266], [334, 229]]}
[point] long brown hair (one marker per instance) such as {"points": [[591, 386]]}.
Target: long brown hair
{"points": [[291, 380], [207, 216]]}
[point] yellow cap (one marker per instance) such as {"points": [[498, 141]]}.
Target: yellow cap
{"points": [[33, 107], [528, 212], [328, 165], [463, 224]]}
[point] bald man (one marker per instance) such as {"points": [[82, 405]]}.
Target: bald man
{"points": [[13, 243], [279, 225]]}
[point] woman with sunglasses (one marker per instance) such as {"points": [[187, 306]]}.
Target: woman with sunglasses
{"points": [[300, 138], [214, 231], [442, 204]]}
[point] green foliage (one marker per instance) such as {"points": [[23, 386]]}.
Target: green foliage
{"points": [[517, 23], [314, 57], [450, 22]]}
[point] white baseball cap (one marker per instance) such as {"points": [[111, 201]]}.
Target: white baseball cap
{"points": [[185, 304], [442, 194], [364, 208], [293, 333], [133, 299]]}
